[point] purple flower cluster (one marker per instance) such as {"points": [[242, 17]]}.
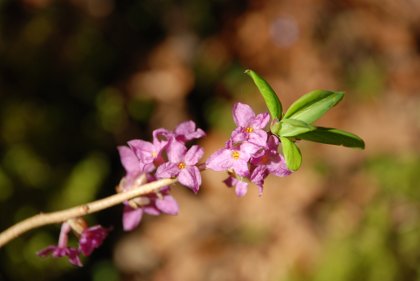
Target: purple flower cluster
{"points": [[167, 156], [89, 239], [251, 154]]}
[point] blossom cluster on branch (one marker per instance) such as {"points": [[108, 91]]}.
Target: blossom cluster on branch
{"points": [[251, 154], [167, 156]]}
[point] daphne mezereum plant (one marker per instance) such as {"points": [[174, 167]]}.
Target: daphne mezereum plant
{"points": [[250, 154]]}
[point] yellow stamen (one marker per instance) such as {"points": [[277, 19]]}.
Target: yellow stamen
{"points": [[249, 130], [181, 165], [235, 155]]}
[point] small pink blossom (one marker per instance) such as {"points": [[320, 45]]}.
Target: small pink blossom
{"points": [[184, 132], [241, 187], [165, 157], [187, 131], [91, 238], [268, 162], [150, 153], [130, 161], [62, 249], [251, 154], [57, 252], [233, 157], [182, 164], [250, 126]]}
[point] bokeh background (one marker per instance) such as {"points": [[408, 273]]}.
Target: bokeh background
{"points": [[79, 77]]}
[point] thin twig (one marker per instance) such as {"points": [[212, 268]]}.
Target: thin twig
{"points": [[78, 211]]}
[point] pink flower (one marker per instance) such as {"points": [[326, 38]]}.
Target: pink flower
{"points": [[187, 131], [57, 252], [258, 176], [62, 250], [250, 126], [182, 164], [165, 157], [241, 187], [91, 238], [130, 161], [150, 153], [251, 154], [268, 162], [271, 159], [183, 133], [234, 158]]}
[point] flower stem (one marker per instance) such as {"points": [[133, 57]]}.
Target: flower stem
{"points": [[60, 216]]}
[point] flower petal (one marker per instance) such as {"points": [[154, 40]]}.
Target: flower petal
{"points": [[193, 155], [230, 181], [73, 256], [248, 149], [221, 160], [190, 177], [161, 137], [238, 135], [145, 151], [279, 167], [46, 251], [187, 131], [151, 210], [258, 137], [241, 167], [131, 217], [167, 170], [91, 238], [260, 121], [241, 188], [197, 134], [176, 151], [242, 114], [272, 142], [129, 160], [167, 205], [258, 176], [57, 252]]}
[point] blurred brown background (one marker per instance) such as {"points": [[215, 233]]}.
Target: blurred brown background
{"points": [[79, 77]]}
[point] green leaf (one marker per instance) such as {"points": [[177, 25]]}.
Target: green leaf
{"points": [[291, 153], [333, 136], [313, 105], [275, 126], [271, 100], [293, 127]]}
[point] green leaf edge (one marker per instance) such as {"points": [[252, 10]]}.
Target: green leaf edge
{"points": [[269, 95], [308, 101], [334, 137]]}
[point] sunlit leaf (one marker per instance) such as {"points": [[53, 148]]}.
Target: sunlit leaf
{"points": [[275, 126], [291, 154], [293, 127], [333, 136], [271, 100], [313, 105]]}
